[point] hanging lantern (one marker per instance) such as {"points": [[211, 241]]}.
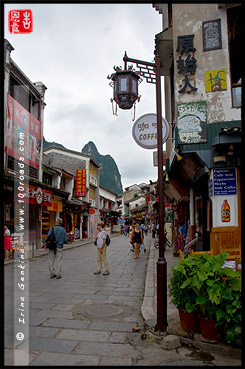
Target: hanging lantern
{"points": [[125, 86]]}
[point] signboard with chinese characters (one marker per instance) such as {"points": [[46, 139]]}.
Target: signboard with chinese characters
{"points": [[23, 134], [80, 183], [215, 80], [187, 66], [224, 181], [211, 31], [145, 131], [192, 122], [37, 195]]}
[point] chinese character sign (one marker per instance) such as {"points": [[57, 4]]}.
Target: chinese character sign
{"points": [[20, 21], [186, 66], [80, 183], [192, 122]]}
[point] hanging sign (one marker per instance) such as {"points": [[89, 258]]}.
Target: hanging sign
{"points": [[80, 190], [145, 131]]}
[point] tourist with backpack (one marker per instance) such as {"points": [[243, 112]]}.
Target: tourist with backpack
{"points": [[102, 240], [54, 242]]}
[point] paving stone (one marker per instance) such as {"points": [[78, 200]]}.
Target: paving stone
{"points": [[51, 345], [42, 331], [118, 337], [63, 307], [106, 349], [55, 314], [36, 320], [40, 305], [83, 335], [65, 360], [111, 361], [67, 323], [112, 326]]}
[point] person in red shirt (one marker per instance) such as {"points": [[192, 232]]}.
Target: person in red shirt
{"points": [[7, 242]]}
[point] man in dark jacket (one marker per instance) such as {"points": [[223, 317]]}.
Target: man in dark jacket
{"points": [[61, 238]]}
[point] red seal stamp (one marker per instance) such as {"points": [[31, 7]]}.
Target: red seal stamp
{"points": [[20, 21]]}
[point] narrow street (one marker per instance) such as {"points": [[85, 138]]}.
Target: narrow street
{"points": [[85, 319]]}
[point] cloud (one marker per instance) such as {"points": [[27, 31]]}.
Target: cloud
{"points": [[72, 50]]}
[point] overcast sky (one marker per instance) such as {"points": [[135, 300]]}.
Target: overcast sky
{"points": [[72, 49]]}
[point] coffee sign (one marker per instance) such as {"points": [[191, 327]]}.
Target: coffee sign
{"points": [[145, 131]]}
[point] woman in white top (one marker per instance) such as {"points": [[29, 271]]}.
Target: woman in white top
{"points": [[101, 249]]}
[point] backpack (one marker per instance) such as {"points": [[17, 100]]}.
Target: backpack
{"points": [[51, 243], [107, 241]]}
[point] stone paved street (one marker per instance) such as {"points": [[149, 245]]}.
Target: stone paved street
{"points": [[85, 319]]}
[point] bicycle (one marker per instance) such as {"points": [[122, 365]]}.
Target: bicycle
{"points": [[166, 244]]}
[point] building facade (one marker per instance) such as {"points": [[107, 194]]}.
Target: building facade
{"points": [[199, 48], [24, 192], [79, 177]]}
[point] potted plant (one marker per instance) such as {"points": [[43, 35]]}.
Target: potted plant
{"points": [[216, 291], [183, 296]]}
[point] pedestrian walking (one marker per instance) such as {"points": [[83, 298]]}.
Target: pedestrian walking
{"points": [[7, 242], [100, 240], [56, 255], [137, 240], [145, 229]]}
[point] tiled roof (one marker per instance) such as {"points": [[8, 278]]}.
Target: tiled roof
{"points": [[64, 162]]}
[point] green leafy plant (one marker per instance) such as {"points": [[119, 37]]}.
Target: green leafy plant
{"points": [[199, 283], [182, 295]]}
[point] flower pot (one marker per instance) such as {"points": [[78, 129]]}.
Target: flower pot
{"points": [[189, 321], [208, 329]]}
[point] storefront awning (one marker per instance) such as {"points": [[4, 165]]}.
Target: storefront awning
{"points": [[176, 191]]}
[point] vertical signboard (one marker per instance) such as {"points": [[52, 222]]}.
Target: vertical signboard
{"points": [[223, 187], [23, 134], [80, 190]]}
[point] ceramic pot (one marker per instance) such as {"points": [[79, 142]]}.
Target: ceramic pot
{"points": [[208, 329], [189, 321]]}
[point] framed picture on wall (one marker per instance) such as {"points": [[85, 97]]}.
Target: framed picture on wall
{"points": [[211, 31]]}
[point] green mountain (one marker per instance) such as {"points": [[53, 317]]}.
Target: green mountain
{"points": [[110, 178], [47, 144]]}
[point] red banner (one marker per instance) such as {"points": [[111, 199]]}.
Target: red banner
{"points": [[23, 134], [80, 183]]}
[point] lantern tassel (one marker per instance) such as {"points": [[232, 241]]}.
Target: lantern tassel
{"points": [[113, 112]]}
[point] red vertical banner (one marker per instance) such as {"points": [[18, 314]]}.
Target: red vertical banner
{"points": [[80, 183]]}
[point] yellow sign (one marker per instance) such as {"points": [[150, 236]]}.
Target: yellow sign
{"points": [[57, 205], [215, 80]]}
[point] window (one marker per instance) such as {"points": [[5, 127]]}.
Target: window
{"points": [[234, 16], [47, 179]]}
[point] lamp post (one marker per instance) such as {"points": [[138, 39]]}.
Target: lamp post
{"points": [[125, 95]]}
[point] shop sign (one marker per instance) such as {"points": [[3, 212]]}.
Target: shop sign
{"points": [[37, 195], [186, 67], [192, 122], [91, 211], [224, 181], [215, 80], [80, 190], [145, 131], [56, 205], [23, 134]]}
